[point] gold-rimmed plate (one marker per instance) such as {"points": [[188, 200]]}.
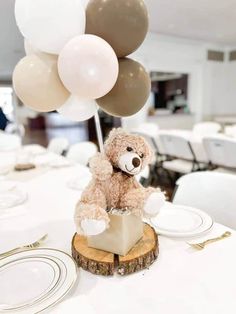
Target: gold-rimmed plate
{"points": [[32, 281], [181, 221]]}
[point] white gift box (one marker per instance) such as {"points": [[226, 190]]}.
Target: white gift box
{"points": [[124, 232]]}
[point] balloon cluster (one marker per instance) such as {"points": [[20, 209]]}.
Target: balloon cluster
{"points": [[76, 56]]}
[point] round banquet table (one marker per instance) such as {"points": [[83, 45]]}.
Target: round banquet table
{"points": [[181, 281]]}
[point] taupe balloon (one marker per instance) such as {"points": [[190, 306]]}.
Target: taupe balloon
{"points": [[37, 83], [130, 92], [122, 23]]}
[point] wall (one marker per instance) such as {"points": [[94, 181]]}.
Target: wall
{"points": [[220, 89], [230, 105], [211, 84]]}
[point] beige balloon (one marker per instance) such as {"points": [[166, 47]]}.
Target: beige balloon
{"points": [[37, 83]]}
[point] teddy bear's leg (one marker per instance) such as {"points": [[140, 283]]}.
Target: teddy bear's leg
{"points": [[91, 217], [144, 201]]}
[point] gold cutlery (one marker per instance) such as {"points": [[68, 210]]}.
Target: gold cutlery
{"points": [[201, 245], [33, 245]]}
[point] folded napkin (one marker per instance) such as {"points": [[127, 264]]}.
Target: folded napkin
{"points": [[34, 149]]}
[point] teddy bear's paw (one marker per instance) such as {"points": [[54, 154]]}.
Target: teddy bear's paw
{"points": [[154, 203], [92, 227]]}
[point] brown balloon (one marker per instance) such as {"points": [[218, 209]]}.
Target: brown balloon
{"points": [[37, 83], [130, 92], [122, 23]]}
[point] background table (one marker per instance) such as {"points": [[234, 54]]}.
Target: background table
{"points": [[181, 281]]}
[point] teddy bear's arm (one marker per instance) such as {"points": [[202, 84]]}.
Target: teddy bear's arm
{"points": [[143, 201], [100, 167], [135, 199]]}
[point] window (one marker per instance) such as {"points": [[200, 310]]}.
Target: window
{"points": [[6, 101]]}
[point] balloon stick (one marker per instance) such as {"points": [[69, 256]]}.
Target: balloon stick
{"points": [[99, 132]]}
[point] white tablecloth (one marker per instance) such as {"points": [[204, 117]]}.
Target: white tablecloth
{"points": [[181, 281]]}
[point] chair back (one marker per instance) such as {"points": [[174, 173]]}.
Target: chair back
{"points": [[82, 152], [58, 145], [209, 191], [176, 146], [221, 150]]}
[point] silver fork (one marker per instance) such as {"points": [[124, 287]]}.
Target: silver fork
{"points": [[33, 245], [201, 245]]}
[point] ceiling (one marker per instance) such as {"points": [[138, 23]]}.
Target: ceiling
{"points": [[206, 20]]}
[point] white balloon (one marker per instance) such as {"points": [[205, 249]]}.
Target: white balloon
{"points": [[30, 49], [85, 3], [77, 109], [50, 24]]}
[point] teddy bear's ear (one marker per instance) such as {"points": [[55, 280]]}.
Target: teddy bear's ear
{"points": [[115, 133]]}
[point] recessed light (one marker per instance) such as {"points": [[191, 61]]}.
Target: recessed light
{"points": [[171, 26]]}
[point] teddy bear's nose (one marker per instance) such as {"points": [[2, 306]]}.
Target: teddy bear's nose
{"points": [[136, 162]]}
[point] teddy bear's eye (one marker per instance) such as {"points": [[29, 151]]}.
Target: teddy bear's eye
{"points": [[129, 149], [141, 155]]}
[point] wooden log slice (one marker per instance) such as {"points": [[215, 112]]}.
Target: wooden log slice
{"points": [[98, 262], [142, 255], [24, 167], [95, 261]]}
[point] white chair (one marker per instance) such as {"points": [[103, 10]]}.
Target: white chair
{"points": [[179, 148], [206, 128], [58, 145], [82, 152], [148, 128], [221, 151], [209, 191]]}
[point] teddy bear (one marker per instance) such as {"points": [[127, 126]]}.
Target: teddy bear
{"points": [[114, 184]]}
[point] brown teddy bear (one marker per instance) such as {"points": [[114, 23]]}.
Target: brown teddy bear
{"points": [[114, 184]]}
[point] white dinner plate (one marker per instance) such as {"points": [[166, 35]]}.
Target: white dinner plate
{"points": [[42, 270], [181, 221], [60, 162], [11, 198], [33, 281], [34, 149], [45, 159], [7, 185]]}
